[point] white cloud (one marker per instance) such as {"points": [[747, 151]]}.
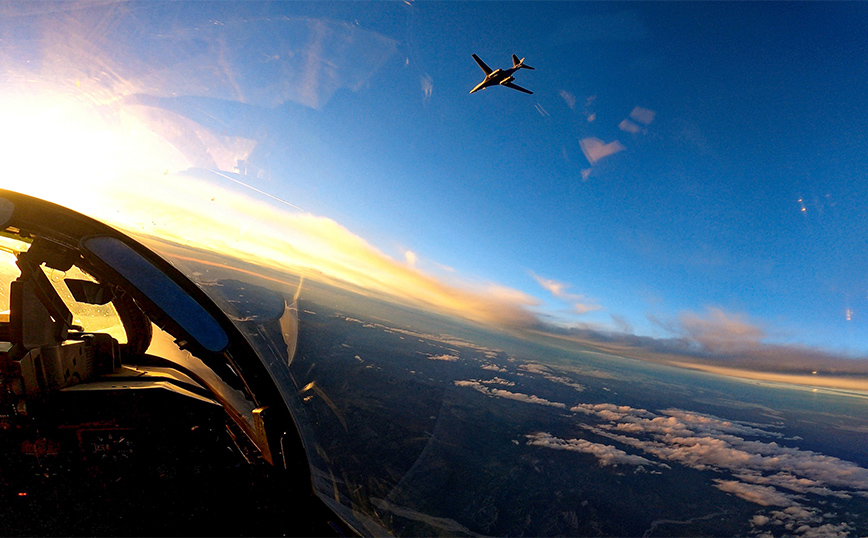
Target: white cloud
{"points": [[444, 357], [606, 455], [642, 115], [501, 393], [581, 305], [828, 530], [746, 457], [427, 86], [534, 367], [539, 369], [630, 127], [558, 289], [596, 150], [762, 495], [526, 398], [759, 520], [499, 381], [584, 308], [411, 258]]}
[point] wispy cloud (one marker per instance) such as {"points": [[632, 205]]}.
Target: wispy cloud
{"points": [[546, 373], [427, 86], [568, 98], [717, 330], [558, 289], [580, 304], [622, 323]]}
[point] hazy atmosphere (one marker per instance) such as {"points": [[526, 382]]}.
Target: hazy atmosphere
{"points": [[689, 174]]}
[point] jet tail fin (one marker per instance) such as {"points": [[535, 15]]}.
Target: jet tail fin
{"points": [[520, 63]]}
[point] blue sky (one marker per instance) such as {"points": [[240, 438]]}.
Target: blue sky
{"points": [[755, 106], [687, 170]]}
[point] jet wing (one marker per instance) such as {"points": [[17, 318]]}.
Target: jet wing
{"points": [[482, 64], [516, 87]]}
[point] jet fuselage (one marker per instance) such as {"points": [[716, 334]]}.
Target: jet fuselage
{"points": [[495, 78], [500, 77]]}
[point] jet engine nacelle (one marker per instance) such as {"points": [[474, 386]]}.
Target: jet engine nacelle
{"points": [[507, 80]]}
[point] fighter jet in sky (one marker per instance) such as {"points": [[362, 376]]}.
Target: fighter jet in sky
{"points": [[501, 77]]}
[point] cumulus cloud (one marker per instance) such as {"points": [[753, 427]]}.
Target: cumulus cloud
{"points": [[501, 393], [762, 495], [759, 520], [499, 381], [748, 458], [596, 150], [534, 367], [445, 358], [606, 455]]}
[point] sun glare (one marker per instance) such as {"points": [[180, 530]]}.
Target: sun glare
{"points": [[66, 149], [104, 160]]}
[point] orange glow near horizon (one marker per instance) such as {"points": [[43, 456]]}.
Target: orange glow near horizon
{"points": [[105, 161]]}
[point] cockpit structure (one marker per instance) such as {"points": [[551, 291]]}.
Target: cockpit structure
{"points": [[129, 402]]}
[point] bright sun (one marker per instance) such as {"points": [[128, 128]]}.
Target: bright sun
{"points": [[66, 148]]}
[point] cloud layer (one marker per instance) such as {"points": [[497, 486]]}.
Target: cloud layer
{"points": [[751, 461], [606, 455], [509, 395], [747, 460]]}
